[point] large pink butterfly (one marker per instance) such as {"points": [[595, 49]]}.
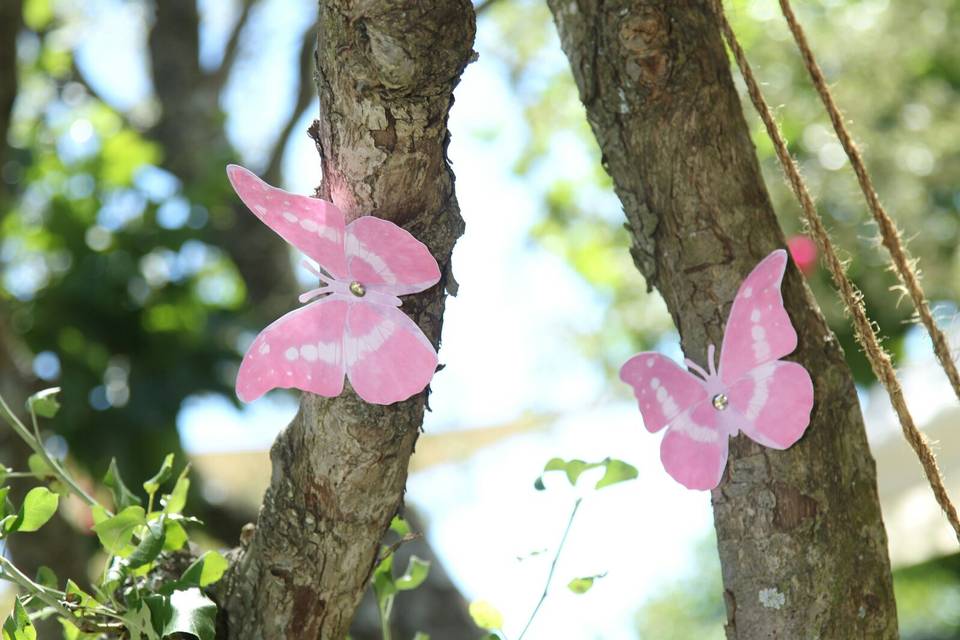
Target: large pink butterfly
{"points": [[355, 327], [753, 391]]}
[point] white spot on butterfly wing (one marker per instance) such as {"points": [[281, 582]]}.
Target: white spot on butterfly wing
{"points": [[755, 315], [309, 225], [748, 292], [761, 348], [357, 249], [289, 217], [684, 424], [308, 352], [264, 348], [291, 354], [259, 208], [762, 379], [357, 347]]}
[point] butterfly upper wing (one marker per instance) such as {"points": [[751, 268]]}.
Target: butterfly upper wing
{"points": [[663, 389], [758, 329], [381, 254], [303, 349], [315, 227], [694, 449], [774, 402], [387, 356], [773, 398]]}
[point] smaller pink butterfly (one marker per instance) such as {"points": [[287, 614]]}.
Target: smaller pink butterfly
{"points": [[753, 391], [355, 327]]}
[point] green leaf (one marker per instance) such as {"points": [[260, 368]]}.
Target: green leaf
{"points": [[538, 484], [175, 536], [122, 496], [413, 577], [46, 577], [383, 585], [555, 464], [115, 532], [151, 544], [485, 615], [575, 468], [580, 585], [39, 505], [153, 485], [78, 597], [400, 526], [420, 635], [205, 570], [44, 403], [37, 14], [616, 471], [140, 624], [177, 500], [192, 613], [39, 467], [17, 625]]}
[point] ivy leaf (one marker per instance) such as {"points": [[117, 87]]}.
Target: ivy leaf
{"points": [[205, 570], [44, 403], [151, 544], [413, 577], [140, 624], [383, 585], [115, 532], [616, 471], [122, 496], [39, 505], [78, 597], [485, 615], [17, 626], [153, 485]]}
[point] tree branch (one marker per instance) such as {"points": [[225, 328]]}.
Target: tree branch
{"points": [[305, 94], [802, 525], [341, 466], [232, 48]]}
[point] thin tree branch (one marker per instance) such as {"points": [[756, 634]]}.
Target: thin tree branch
{"points": [[305, 95], [232, 47]]}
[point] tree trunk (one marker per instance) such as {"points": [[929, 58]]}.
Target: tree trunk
{"points": [[801, 540], [386, 72]]}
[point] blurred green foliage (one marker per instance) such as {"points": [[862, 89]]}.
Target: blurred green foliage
{"points": [[895, 72], [109, 275]]}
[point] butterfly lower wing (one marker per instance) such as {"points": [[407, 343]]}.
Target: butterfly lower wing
{"points": [[315, 227], [774, 401], [303, 350], [381, 254], [663, 389], [694, 449], [758, 328], [388, 358]]}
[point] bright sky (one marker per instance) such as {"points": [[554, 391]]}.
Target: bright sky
{"points": [[505, 343]]}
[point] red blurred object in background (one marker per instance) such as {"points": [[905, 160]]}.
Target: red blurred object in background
{"points": [[804, 253]]}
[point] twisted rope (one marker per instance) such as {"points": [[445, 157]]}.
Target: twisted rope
{"points": [[853, 300], [889, 234]]}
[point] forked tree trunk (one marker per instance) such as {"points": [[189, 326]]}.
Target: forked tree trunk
{"points": [[802, 544], [386, 75]]}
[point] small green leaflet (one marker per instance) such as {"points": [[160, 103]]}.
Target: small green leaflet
{"points": [[153, 485], [413, 577], [122, 496], [115, 532], [205, 570], [614, 471], [17, 625], [582, 585], [44, 403], [485, 615], [39, 505]]}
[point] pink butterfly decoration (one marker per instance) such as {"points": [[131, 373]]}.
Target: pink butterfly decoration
{"points": [[354, 327], [753, 391]]}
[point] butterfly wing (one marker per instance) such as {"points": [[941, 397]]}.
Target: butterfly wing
{"points": [[663, 389], [315, 227], [694, 450], [303, 350], [388, 358], [773, 398], [774, 401], [758, 329], [381, 254]]}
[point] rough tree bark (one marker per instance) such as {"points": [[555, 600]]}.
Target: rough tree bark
{"points": [[801, 540], [386, 72]]}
